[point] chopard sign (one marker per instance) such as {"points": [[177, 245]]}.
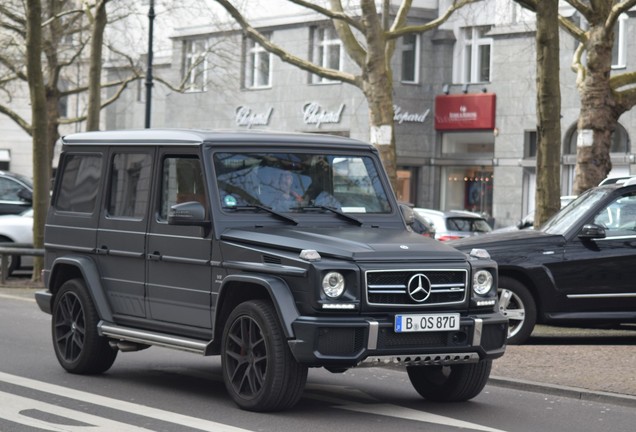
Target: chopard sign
{"points": [[313, 113], [247, 118], [400, 116]]}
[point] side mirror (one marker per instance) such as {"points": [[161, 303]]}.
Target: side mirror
{"points": [[592, 231], [25, 195], [407, 213], [187, 213]]}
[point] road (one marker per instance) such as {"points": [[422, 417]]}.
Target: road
{"points": [[163, 390]]}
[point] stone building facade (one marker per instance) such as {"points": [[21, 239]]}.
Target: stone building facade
{"points": [[465, 116]]}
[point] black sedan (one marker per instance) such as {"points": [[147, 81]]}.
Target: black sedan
{"points": [[579, 268]]}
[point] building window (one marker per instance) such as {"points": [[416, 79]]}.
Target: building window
{"points": [[475, 56], [327, 51], [529, 144], [620, 37], [258, 65], [410, 58], [195, 64]]}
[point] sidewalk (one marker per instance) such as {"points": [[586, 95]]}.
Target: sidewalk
{"points": [[588, 364]]}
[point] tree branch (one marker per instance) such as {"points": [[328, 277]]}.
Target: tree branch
{"points": [[353, 47], [16, 118], [337, 14], [284, 55], [457, 4]]}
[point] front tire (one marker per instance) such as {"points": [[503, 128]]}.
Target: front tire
{"points": [[517, 304], [259, 371], [78, 346], [454, 383]]}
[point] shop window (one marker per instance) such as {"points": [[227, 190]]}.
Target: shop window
{"points": [[410, 58], [258, 65], [326, 51], [195, 64], [467, 188], [405, 180]]}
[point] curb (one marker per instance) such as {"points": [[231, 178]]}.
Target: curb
{"points": [[564, 391]]}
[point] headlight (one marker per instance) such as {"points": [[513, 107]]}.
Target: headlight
{"points": [[333, 285], [482, 282]]}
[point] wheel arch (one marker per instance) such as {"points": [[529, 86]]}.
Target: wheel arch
{"points": [[237, 289], [71, 267]]}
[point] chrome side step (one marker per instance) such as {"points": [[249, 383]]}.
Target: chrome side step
{"points": [[146, 337]]}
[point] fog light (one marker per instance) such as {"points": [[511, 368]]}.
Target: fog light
{"points": [[333, 285], [482, 282]]}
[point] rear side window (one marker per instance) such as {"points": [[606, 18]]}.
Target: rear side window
{"points": [[130, 185], [79, 183]]}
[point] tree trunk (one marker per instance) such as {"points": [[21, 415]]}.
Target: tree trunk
{"points": [[95, 70], [37, 91], [378, 89], [548, 113], [598, 116]]}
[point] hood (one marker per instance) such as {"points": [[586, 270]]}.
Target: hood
{"points": [[513, 240], [358, 244]]}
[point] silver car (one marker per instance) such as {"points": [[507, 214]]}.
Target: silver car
{"points": [[455, 224], [17, 229]]}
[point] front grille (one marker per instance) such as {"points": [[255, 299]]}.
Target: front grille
{"points": [[391, 287]]}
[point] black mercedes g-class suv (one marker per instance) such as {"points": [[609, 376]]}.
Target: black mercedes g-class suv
{"points": [[277, 251]]}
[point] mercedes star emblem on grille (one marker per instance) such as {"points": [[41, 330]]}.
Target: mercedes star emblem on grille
{"points": [[419, 287]]}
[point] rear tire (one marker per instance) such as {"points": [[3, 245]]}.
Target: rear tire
{"points": [[78, 346], [454, 383], [259, 371]]}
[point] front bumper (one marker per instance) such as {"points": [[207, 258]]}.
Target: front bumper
{"points": [[347, 342]]}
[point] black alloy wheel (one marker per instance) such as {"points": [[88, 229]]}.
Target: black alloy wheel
{"points": [[259, 370], [78, 346]]}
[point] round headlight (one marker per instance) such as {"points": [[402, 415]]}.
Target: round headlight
{"points": [[482, 282], [333, 285]]}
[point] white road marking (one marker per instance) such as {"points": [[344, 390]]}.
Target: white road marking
{"points": [[411, 414], [386, 409], [14, 409], [167, 416]]}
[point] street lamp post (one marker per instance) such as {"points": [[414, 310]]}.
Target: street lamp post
{"points": [[151, 18]]}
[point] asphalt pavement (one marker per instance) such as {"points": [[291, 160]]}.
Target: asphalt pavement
{"points": [[588, 364]]}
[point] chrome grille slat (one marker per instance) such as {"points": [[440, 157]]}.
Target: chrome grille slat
{"points": [[389, 287]]}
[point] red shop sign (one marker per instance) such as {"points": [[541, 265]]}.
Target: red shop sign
{"points": [[465, 111]]}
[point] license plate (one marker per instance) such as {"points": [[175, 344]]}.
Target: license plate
{"points": [[425, 323]]}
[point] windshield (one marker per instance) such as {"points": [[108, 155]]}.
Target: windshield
{"points": [[299, 182], [567, 217]]}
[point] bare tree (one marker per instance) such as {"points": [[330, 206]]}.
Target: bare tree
{"points": [[37, 90], [55, 42], [369, 41], [548, 108], [605, 95], [98, 24]]}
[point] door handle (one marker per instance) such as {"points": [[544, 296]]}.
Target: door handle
{"points": [[155, 256]]}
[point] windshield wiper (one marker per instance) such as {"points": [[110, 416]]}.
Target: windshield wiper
{"points": [[344, 216], [269, 210]]}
